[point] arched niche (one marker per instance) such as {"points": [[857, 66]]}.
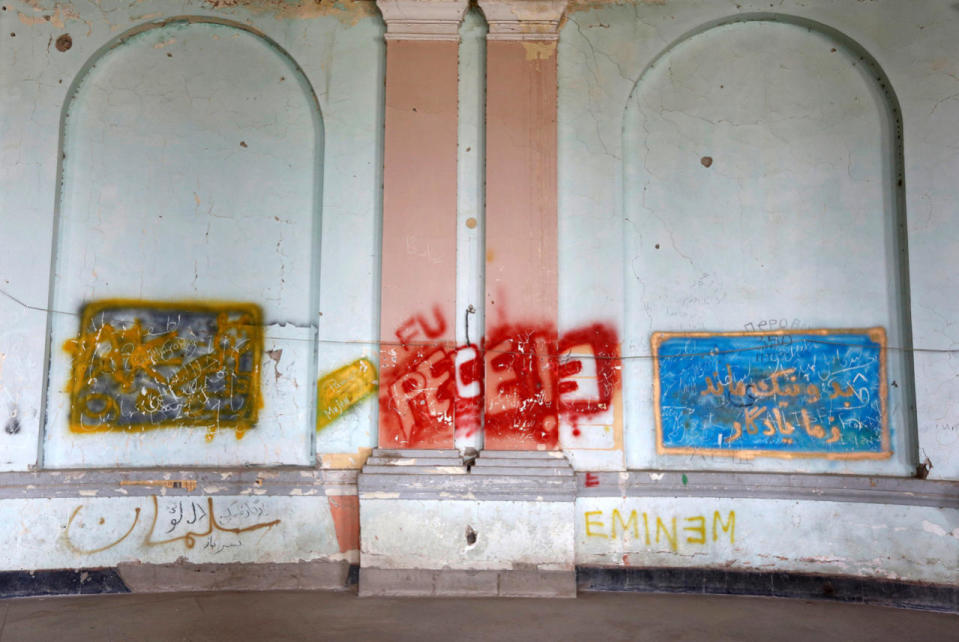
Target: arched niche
{"points": [[190, 174], [763, 190]]}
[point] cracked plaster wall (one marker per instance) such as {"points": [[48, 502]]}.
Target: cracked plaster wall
{"points": [[158, 121], [603, 53]]}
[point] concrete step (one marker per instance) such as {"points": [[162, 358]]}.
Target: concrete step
{"points": [[482, 462], [401, 453], [523, 454], [453, 469], [528, 471], [414, 461]]}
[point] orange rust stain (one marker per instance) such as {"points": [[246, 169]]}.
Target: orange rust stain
{"points": [[345, 510]]}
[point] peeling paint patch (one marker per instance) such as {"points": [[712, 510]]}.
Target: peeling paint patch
{"points": [[348, 12], [161, 45], [935, 529], [58, 15], [346, 460], [539, 50], [586, 5]]}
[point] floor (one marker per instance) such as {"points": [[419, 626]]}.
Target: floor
{"points": [[603, 617]]}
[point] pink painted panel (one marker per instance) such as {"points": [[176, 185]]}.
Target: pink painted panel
{"points": [[521, 245], [418, 292]]}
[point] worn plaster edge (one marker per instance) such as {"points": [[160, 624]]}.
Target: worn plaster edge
{"points": [[381, 582], [860, 489], [839, 588]]}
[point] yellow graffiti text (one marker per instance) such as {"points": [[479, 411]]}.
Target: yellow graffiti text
{"points": [[694, 529], [342, 389]]}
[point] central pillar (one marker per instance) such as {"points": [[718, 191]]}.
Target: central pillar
{"points": [[522, 369], [418, 292]]}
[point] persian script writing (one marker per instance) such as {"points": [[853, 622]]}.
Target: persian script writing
{"points": [[794, 393], [185, 521], [139, 365]]}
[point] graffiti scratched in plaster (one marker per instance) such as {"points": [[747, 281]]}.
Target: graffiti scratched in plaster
{"points": [[342, 389], [140, 365], [184, 521], [792, 393]]}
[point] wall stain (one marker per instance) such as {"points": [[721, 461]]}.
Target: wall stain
{"points": [[58, 15], [13, 426]]}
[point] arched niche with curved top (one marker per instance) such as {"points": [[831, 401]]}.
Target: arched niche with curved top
{"points": [[764, 191], [190, 175]]}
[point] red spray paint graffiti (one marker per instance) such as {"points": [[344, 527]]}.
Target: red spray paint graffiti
{"points": [[531, 378], [417, 386]]}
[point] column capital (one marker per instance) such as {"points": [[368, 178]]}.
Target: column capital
{"points": [[523, 19], [423, 19]]}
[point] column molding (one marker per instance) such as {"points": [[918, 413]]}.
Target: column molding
{"points": [[523, 19], [423, 19]]}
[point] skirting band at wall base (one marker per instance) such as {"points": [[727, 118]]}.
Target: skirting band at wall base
{"points": [[61, 582], [379, 582], [325, 575], [863, 590], [315, 575], [318, 575]]}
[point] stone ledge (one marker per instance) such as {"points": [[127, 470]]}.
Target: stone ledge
{"points": [[832, 488], [379, 582], [144, 482], [492, 476]]}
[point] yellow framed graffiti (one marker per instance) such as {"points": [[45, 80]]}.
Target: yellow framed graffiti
{"points": [[139, 365]]}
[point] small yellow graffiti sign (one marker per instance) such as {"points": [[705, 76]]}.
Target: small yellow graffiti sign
{"points": [[340, 390]]}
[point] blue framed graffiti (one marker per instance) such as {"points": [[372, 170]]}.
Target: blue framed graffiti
{"points": [[789, 393]]}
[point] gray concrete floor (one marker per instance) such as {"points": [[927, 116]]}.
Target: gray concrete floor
{"points": [[603, 617]]}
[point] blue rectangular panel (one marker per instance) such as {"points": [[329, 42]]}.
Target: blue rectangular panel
{"points": [[791, 393]]}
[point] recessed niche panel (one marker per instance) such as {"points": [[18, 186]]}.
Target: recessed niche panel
{"points": [[761, 196], [185, 255]]}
